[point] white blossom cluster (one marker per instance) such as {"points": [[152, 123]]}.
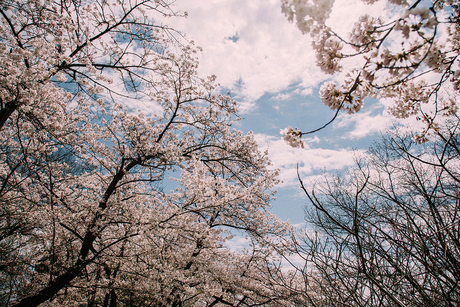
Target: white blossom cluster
{"points": [[330, 95], [413, 58], [364, 32], [328, 52], [408, 99], [308, 14], [292, 137]]}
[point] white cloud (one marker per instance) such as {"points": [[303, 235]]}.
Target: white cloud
{"points": [[282, 97], [310, 161], [254, 50], [364, 123], [268, 56]]}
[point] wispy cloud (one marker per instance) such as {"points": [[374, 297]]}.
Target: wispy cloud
{"points": [[268, 56], [309, 161]]}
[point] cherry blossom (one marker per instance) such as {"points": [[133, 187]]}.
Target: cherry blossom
{"points": [[412, 58], [292, 136], [122, 177]]}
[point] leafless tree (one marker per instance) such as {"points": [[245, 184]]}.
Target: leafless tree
{"points": [[387, 232]]}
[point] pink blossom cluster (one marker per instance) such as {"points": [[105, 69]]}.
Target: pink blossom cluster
{"points": [[292, 137], [412, 58]]}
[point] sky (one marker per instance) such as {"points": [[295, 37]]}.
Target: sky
{"points": [[269, 68]]}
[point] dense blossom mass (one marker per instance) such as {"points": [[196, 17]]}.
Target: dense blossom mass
{"points": [[411, 59], [120, 170]]}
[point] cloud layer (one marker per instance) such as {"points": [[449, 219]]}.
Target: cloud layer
{"points": [[253, 49], [249, 45]]}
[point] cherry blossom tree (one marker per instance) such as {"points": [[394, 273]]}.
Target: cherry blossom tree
{"points": [[411, 58], [121, 174]]}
